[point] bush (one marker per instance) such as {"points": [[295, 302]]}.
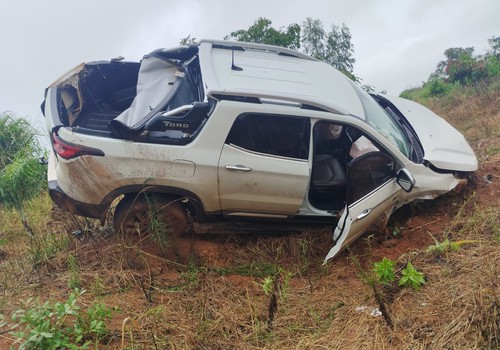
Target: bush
{"points": [[60, 325], [16, 137], [492, 66], [22, 177], [436, 87]]}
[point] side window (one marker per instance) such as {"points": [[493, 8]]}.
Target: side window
{"points": [[368, 172], [272, 134]]}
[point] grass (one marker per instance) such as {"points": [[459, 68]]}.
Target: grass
{"points": [[212, 296], [210, 306], [57, 325]]}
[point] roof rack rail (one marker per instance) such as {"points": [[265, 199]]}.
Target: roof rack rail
{"points": [[240, 45]]}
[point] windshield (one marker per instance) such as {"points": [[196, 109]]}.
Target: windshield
{"points": [[380, 120]]}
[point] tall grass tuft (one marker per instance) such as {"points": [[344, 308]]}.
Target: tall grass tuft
{"points": [[22, 177]]}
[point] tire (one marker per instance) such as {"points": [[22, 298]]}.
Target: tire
{"points": [[142, 214]]}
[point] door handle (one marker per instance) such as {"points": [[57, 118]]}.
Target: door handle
{"points": [[238, 168], [363, 214]]}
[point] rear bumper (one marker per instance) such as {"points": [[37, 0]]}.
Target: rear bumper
{"points": [[63, 201]]}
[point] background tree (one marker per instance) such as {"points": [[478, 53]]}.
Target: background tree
{"points": [[492, 57], [314, 38], [462, 69], [334, 47], [22, 177], [188, 40], [262, 32], [494, 47], [461, 66]]}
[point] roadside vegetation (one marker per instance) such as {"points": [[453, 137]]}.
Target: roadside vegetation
{"points": [[431, 280], [462, 70], [21, 176]]}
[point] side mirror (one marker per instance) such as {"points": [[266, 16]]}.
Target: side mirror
{"points": [[405, 179]]}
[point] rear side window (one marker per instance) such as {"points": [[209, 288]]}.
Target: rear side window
{"points": [[276, 135]]}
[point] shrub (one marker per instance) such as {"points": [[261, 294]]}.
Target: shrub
{"points": [[436, 87], [17, 138], [60, 325], [22, 177], [492, 66]]}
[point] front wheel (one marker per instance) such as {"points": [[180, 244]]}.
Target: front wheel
{"points": [[147, 214]]}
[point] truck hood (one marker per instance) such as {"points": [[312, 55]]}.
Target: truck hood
{"points": [[444, 146]]}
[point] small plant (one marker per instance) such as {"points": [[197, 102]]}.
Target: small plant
{"points": [[44, 247], [443, 247], [278, 283], [276, 286], [304, 249], [447, 246], [97, 287], [159, 229], [74, 272], [385, 270], [191, 277], [254, 269], [375, 284], [396, 231], [267, 285], [411, 277], [60, 325]]}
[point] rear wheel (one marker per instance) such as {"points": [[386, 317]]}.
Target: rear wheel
{"points": [[149, 214]]}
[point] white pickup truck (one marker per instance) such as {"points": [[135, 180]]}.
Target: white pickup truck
{"points": [[231, 135]]}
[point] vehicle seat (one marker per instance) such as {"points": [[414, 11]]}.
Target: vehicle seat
{"points": [[328, 184], [327, 172]]}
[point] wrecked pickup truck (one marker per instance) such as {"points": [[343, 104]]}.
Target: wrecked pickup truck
{"points": [[237, 136]]}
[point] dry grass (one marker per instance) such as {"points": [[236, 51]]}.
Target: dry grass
{"points": [[170, 305], [209, 294]]}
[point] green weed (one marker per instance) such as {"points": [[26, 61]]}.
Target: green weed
{"points": [[276, 287], [58, 325], [304, 247], [97, 286], [43, 248], [443, 247], [254, 269], [189, 279], [385, 270], [396, 231], [372, 281], [74, 272], [411, 277], [277, 283]]}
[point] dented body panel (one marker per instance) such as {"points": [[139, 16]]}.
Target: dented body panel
{"points": [[444, 147]]}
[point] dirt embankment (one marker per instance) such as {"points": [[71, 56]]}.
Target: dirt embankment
{"points": [[214, 292]]}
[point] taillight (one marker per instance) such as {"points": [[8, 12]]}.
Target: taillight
{"points": [[69, 150]]}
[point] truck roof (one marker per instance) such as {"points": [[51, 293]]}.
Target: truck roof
{"points": [[264, 71]]}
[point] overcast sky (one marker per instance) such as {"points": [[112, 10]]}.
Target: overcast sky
{"points": [[397, 43]]}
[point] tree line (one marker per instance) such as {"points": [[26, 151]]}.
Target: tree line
{"points": [[333, 46], [462, 68]]}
